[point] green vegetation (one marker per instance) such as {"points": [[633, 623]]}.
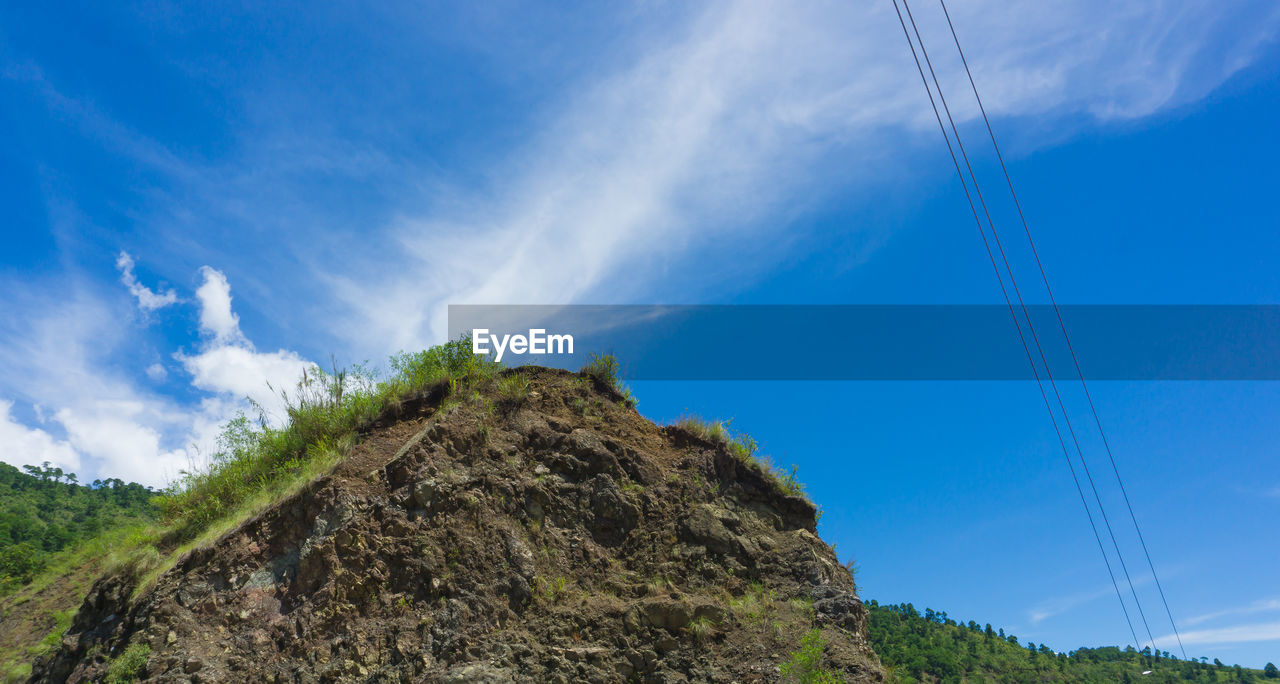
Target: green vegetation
{"points": [[755, 604], [931, 647], [805, 664], [53, 528], [16, 666], [701, 629], [128, 665], [50, 525], [44, 511], [604, 368], [745, 449], [552, 590], [325, 414]]}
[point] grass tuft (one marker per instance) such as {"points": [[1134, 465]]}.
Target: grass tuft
{"points": [[604, 368], [745, 449], [702, 629], [128, 665], [513, 388]]}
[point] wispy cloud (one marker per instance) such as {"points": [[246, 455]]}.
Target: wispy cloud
{"points": [[1265, 631], [725, 124], [1062, 604], [148, 300], [1260, 606], [714, 129]]}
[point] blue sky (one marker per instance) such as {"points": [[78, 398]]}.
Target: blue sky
{"points": [[287, 183]]}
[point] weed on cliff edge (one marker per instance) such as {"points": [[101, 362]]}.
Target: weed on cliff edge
{"points": [[745, 449], [604, 368], [324, 412]]}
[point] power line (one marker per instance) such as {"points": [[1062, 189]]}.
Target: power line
{"points": [[1017, 324], [1061, 324], [1030, 326]]}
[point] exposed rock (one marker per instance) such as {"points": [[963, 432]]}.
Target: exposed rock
{"points": [[553, 545]]}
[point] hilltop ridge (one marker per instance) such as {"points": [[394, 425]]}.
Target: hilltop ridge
{"points": [[525, 526]]}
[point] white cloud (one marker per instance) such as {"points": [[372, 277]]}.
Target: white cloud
{"points": [[725, 120], [157, 372], [119, 434], [1260, 606], [60, 352], [1266, 631], [710, 128], [241, 372], [147, 300], [57, 355], [216, 317], [32, 446], [714, 130], [228, 364]]}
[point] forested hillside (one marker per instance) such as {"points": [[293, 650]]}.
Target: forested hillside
{"points": [[931, 647], [44, 510]]}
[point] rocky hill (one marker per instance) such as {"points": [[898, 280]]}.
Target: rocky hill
{"points": [[546, 533]]}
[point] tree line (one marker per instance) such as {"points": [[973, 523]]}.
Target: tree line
{"points": [[44, 510], [932, 647]]}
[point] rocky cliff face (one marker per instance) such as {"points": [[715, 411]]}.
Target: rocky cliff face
{"points": [[553, 538]]}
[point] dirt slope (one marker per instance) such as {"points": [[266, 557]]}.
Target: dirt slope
{"points": [[561, 537]]}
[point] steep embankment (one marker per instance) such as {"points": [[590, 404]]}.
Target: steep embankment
{"points": [[550, 535]]}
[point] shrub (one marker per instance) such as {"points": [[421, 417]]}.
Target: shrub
{"points": [[603, 367], [453, 362], [805, 664]]}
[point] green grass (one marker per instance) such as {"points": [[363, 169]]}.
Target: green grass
{"points": [[604, 368], [51, 641], [257, 464], [755, 603], [16, 672], [513, 388], [552, 590], [325, 413], [127, 666], [701, 629], [745, 449]]}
